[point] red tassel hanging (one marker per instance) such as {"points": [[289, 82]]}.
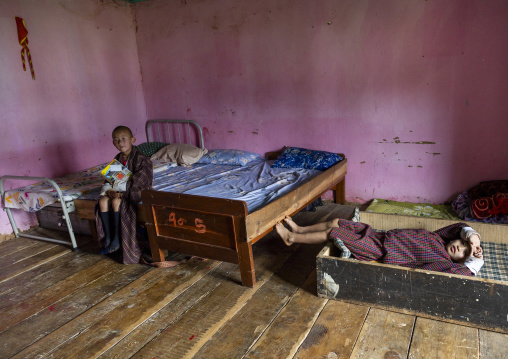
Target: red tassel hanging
{"points": [[23, 41]]}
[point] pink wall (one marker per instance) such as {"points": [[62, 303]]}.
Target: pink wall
{"points": [[414, 92], [87, 82]]}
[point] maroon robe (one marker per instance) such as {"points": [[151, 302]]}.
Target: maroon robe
{"points": [[142, 177]]}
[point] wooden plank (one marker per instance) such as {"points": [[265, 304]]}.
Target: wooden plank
{"points": [[335, 331], [85, 208], [436, 339], [30, 275], [14, 245], [26, 285], [36, 248], [50, 342], [62, 311], [119, 322], [193, 248], [497, 233], [384, 335], [198, 325], [493, 345], [32, 262], [20, 311], [237, 335], [297, 318], [414, 291], [198, 204], [168, 315], [260, 221]]}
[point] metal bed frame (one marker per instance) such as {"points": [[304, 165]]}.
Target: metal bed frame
{"points": [[154, 126], [67, 207], [183, 129]]}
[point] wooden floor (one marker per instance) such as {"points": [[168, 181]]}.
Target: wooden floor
{"points": [[57, 303]]}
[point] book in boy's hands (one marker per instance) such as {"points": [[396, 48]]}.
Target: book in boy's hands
{"points": [[115, 171]]}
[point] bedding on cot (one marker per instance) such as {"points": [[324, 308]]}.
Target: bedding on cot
{"points": [[34, 197]]}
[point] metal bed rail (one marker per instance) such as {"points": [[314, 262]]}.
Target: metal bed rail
{"points": [[160, 128], [67, 207]]}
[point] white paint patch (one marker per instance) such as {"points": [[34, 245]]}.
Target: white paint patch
{"points": [[331, 287]]}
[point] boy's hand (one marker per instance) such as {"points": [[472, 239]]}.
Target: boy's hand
{"points": [[474, 239], [478, 252], [476, 249], [114, 194]]}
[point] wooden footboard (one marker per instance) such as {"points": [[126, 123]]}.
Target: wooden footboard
{"points": [[202, 226]]}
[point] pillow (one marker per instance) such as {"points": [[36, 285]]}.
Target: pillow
{"points": [[489, 199], [182, 153], [149, 148], [294, 157], [229, 157]]}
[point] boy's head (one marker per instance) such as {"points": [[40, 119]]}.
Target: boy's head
{"points": [[123, 139], [459, 250]]}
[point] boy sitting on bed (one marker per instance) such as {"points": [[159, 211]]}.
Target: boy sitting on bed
{"points": [[116, 217], [452, 249]]}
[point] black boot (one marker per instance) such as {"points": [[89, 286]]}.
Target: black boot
{"points": [[115, 243], [107, 231]]}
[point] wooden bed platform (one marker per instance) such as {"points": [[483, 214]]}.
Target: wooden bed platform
{"points": [[222, 229], [470, 301], [219, 228]]}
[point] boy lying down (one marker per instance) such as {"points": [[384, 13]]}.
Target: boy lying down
{"points": [[452, 249]]}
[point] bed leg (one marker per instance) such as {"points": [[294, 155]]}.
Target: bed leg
{"points": [[339, 192], [246, 263], [93, 230], [157, 253]]}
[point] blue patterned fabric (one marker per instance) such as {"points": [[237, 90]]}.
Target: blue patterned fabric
{"points": [[496, 265], [229, 157], [149, 148], [294, 157]]}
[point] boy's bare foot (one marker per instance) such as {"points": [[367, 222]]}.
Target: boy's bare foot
{"points": [[284, 233], [294, 227]]}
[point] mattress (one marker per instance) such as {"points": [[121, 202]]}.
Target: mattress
{"points": [[256, 183]]}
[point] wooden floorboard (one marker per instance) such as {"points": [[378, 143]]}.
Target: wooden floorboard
{"points": [[392, 341], [436, 339], [55, 303], [335, 332]]}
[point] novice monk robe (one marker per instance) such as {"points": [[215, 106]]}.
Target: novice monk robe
{"points": [[452, 249], [117, 210]]}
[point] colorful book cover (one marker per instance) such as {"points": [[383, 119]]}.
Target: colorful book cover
{"points": [[115, 171]]}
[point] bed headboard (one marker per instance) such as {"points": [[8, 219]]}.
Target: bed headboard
{"points": [[175, 131]]}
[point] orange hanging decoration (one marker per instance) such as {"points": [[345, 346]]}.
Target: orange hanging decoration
{"points": [[23, 41]]}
